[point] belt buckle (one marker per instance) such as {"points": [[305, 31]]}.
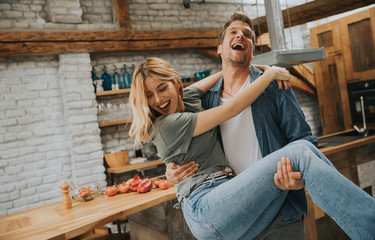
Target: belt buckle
{"points": [[232, 174]]}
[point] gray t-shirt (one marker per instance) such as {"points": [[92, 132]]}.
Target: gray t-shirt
{"points": [[172, 135]]}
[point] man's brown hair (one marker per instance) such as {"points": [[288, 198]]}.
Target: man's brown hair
{"points": [[235, 17]]}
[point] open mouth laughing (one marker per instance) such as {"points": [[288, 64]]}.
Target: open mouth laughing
{"points": [[238, 46], [164, 107]]}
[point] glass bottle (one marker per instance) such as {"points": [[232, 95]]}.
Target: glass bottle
{"points": [[121, 81], [94, 77], [116, 80], [132, 71], [107, 79], [126, 77]]}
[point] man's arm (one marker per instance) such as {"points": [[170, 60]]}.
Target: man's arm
{"points": [[292, 119], [294, 126]]}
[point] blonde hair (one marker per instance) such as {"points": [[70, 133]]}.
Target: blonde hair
{"points": [[144, 116]]}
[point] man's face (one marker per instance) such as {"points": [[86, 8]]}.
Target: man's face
{"points": [[237, 45]]}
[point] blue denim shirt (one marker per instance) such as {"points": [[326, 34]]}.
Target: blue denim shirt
{"points": [[278, 120]]}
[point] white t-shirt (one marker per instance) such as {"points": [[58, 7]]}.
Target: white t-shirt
{"points": [[241, 145]]}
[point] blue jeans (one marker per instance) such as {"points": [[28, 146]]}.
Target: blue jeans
{"points": [[242, 207]]}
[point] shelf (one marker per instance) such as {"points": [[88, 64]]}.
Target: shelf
{"points": [[113, 92], [113, 123], [185, 84], [131, 167]]}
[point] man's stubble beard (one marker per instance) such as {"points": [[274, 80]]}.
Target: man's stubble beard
{"points": [[240, 61]]}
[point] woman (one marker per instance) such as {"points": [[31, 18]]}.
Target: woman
{"points": [[214, 205]]}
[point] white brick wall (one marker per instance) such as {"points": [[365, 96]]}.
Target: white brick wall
{"points": [[27, 126], [310, 107], [44, 140], [81, 118], [56, 15]]}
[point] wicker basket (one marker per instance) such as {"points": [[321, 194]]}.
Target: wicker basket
{"points": [[117, 159]]}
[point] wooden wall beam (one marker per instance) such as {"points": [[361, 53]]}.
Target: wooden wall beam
{"points": [[55, 42], [311, 11], [48, 48], [92, 36], [123, 17]]}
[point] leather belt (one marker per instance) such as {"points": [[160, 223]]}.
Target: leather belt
{"points": [[223, 173]]}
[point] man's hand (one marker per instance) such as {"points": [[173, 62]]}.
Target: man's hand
{"points": [[176, 173], [286, 178]]}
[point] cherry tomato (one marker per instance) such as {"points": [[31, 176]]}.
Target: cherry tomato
{"points": [[83, 192], [156, 182], [123, 188], [144, 186], [134, 183], [110, 191], [163, 184], [129, 181]]}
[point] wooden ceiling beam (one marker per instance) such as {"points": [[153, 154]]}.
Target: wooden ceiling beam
{"points": [[299, 84], [48, 48], [311, 11], [54, 42], [92, 36], [305, 73]]}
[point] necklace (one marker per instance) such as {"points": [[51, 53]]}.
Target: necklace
{"points": [[227, 93]]}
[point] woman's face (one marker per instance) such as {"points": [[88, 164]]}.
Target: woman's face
{"points": [[163, 96]]}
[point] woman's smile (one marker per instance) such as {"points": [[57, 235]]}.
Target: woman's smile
{"points": [[163, 96], [165, 107]]}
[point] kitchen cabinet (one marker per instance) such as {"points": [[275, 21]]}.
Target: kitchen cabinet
{"points": [[358, 36], [349, 46], [330, 79]]}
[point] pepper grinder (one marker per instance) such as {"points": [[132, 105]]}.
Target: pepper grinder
{"points": [[67, 201]]}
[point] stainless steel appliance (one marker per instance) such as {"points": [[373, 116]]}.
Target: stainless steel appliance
{"points": [[366, 89]]}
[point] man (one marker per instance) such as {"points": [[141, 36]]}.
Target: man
{"points": [[271, 122]]}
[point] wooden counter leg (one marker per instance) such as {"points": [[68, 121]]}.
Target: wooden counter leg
{"points": [[160, 222], [177, 226]]}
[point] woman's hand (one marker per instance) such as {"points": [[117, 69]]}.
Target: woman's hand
{"points": [[281, 75], [176, 173], [286, 178]]}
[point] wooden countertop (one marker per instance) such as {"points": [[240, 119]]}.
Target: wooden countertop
{"points": [[345, 146], [51, 221]]}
